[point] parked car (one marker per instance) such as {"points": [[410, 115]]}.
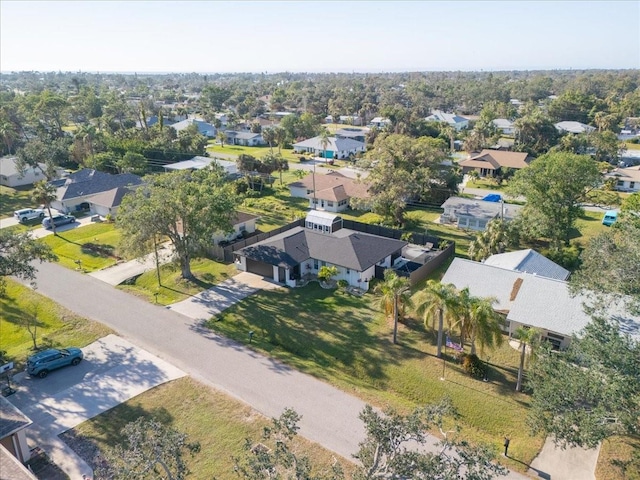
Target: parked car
{"points": [[40, 364], [28, 214], [609, 218], [58, 220]]}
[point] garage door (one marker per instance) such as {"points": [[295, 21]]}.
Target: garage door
{"points": [[259, 268]]}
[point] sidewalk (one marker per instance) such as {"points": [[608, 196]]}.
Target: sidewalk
{"points": [[120, 272]]}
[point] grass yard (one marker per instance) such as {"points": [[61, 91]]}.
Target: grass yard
{"points": [[346, 341], [56, 326], [257, 152], [15, 199], [219, 423], [588, 226], [632, 146], [485, 185], [208, 273], [619, 459], [94, 245]]}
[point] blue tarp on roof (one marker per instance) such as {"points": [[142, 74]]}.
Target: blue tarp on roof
{"points": [[492, 197]]}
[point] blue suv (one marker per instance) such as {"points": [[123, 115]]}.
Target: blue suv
{"points": [[40, 364]]}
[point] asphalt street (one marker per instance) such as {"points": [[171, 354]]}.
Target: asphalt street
{"points": [[329, 415]]}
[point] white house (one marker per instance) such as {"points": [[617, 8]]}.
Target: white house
{"points": [[380, 122], [504, 125], [107, 203], [574, 127], [300, 252], [248, 139], [336, 147], [627, 179], [452, 119], [333, 191], [243, 223], [198, 163], [10, 176]]}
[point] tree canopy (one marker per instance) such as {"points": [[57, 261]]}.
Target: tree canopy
{"points": [[186, 207]]}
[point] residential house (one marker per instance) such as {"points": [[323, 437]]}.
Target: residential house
{"points": [[336, 147], [530, 300], [80, 186], [627, 179], [12, 469], [380, 122], [13, 435], [528, 261], [574, 127], [452, 119], [247, 139], [333, 191], [505, 126], [300, 252], [198, 163], [490, 163], [107, 203], [10, 176], [223, 118], [350, 120], [204, 128], [242, 223], [357, 134], [475, 214]]}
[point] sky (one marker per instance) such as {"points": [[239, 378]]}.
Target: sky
{"points": [[317, 36]]}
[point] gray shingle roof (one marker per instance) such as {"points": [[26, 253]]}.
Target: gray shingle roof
{"points": [[346, 248], [528, 261], [469, 207], [11, 418], [88, 182]]}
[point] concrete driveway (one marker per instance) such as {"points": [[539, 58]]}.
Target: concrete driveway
{"points": [[113, 371], [206, 304], [116, 274]]}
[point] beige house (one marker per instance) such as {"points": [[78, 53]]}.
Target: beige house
{"points": [[333, 191], [627, 179], [488, 163]]}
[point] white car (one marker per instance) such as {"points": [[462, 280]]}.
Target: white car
{"points": [[27, 214]]}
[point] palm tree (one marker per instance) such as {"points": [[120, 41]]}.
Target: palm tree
{"points": [[438, 299], [269, 136], [45, 193], [528, 337], [394, 296], [324, 141], [280, 137], [485, 324], [9, 134]]}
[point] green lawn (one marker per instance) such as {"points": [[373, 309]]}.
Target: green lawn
{"points": [[616, 460], [56, 326], [346, 341], [588, 226], [15, 199], [219, 423], [208, 273], [257, 152], [75, 245], [485, 185], [632, 146]]}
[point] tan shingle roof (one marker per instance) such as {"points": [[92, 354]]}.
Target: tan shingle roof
{"points": [[496, 158], [333, 186]]}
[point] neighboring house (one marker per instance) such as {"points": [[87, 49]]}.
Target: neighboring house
{"points": [[574, 127], [531, 300], [336, 147], [107, 203], [204, 128], [299, 252], [350, 120], [223, 118], [247, 139], [333, 193], [528, 261], [452, 119], [357, 134], [380, 122], [12, 469], [13, 435], [80, 186], [488, 163], [627, 179], [243, 224], [11, 177], [198, 163], [154, 119], [475, 214], [505, 126]]}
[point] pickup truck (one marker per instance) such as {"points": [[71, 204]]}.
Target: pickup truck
{"points": [[27, 214]]}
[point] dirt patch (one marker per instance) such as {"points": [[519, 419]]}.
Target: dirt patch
{"points": [[84, 447]]}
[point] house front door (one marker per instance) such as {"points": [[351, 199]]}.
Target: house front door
{"points": [[282, 275]]}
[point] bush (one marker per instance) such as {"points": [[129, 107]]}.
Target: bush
{"points": [[473, 365], [343, 284], [108, 218]]}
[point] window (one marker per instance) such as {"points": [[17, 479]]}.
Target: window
{"points": [[242, 228], [348, 272], [315, 264], [632, 184], [329, 203], [620, 183], [309, 191]]}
